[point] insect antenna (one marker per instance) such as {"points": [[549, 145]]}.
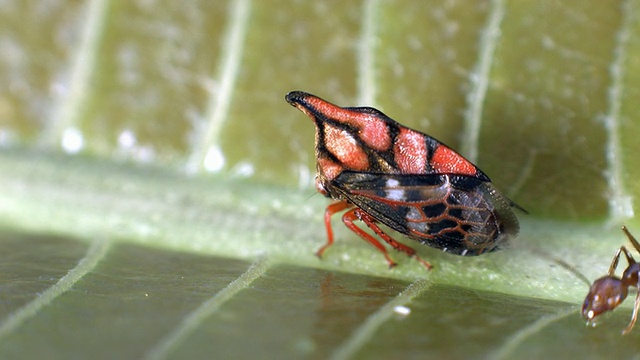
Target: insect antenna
{"points": [[562, 263]]}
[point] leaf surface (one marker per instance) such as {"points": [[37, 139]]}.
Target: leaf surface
{"points": [[157, 194]]}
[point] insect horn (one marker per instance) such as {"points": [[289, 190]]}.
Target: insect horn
{"points": [[303, 102]]}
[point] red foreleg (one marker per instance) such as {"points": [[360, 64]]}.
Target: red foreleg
{"points": [[328, 213], [358, 213]]}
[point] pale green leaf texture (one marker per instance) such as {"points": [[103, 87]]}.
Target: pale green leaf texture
{"points": [[156, 191]]}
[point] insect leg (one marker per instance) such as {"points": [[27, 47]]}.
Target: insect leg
{"points": [[371, 223], [631, 238], [616, 259], [636, 305], [328, 213], [357, 214], [630, 259], [634, 315]]}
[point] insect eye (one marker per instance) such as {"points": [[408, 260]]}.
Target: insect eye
{"points": [[320, 187]]}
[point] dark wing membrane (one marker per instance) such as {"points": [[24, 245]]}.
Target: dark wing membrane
{"points": [[459, 214]]}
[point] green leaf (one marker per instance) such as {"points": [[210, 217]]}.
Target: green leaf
{"points": [[157, 195]]}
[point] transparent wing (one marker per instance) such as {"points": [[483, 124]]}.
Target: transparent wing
{"points": [[459, 214]]}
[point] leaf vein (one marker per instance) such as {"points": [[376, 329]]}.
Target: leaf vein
{"points": [[94, 255], [620, 205], [480, 80], [510, 344], [367, 49], [206, 153], [192, 320], [69, 110], [365, 331]]}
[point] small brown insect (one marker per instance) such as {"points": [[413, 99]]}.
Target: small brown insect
{"points": [[609, 291]]}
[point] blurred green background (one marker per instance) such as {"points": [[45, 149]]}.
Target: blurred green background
{"points": [[156, 192]]}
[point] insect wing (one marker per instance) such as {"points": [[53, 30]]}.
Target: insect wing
{"points": [[459, 214]]}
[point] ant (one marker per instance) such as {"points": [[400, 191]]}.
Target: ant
{"points": [[609, 291]]}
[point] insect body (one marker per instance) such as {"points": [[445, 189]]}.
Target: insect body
{"points": [[609, 291], [382, 172]]}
